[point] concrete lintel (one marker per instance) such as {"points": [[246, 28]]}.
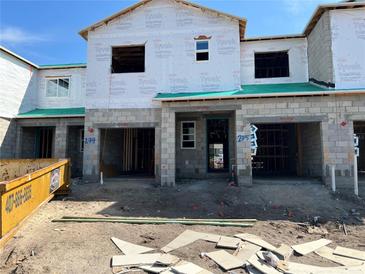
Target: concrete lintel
{"points": [[127, 125], [355, 117], [287, 119], [205, 108], [50, 122]]}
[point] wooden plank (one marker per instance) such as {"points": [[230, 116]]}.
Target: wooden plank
{"points": [[284, 251], [185, 238], [129, 248], [188, 237], [327, 252], [228, 242], [296, 268], [255, 240], [262, 266], [245, 251], [225, 260], [306, 248], [153, 268], [135, 259], [349, 252]]}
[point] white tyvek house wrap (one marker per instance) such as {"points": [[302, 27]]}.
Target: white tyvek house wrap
{"points": [[348, 47], [167, 29], [77, 88], [298, 60], [17, 85]]}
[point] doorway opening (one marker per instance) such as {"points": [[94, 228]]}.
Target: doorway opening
{"points": [[217, 144], [37, 142], [359, 130], [128, 152], [288, 150]]}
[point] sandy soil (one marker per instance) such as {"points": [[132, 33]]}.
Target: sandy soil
{"points": [[42, 246]]}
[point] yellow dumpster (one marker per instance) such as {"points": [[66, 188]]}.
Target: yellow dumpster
{"points": [[25, 184]]}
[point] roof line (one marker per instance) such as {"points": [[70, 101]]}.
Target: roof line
{"points": [[274, 37], [61, 66], [322, 8], [50, 116], [258, 95], [84, 31], [18, 57]]}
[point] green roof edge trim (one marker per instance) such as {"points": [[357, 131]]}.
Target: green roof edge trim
{"points": [[64, 65], [53, 112], [252, 91]]}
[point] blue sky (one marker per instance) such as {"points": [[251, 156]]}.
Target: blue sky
{"points": [[46, 32]]}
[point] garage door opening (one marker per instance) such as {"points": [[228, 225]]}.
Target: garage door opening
{"points": [[127, 152], [288, 150]]}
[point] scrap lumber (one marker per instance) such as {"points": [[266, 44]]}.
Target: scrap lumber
{"points": [[284, 251], [189, 268], [221, 222], [297, 268], [135, 259], [185, 238], [225, 260], [228, 242], [255, 240], [129, 248], [245, 251], [350, 253], [306, 248], [144, 259], [260, 265], [153, 268], [327, 252], [188, 237]]}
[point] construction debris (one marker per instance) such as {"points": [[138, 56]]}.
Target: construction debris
{"points": [[350, 253], [247, 255], [327, 252], [255, 240], [225, 260], [136, 220], [129, 248], [306, 248]]}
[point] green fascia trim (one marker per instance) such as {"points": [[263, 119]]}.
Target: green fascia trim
{"points": [[53, 112], [248, 90], [63, 65]]}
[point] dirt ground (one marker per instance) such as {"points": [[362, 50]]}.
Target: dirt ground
{"points": [[42, 246]]}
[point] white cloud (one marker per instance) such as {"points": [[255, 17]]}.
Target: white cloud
{"points": [[16, 35]]}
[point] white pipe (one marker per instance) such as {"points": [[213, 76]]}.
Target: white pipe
{"points": [[333, 178], [101, 178], [356, 181]]}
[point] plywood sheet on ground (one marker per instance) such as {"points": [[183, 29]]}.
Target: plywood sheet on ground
{"points": [[228, 242], [225, 260], [306, 248], [349, 252], [129, 248], [327, 252], [255, 240], [144, 259], [284, 251], [245, 251], [296, 268], [260, 265], [190, 268]]}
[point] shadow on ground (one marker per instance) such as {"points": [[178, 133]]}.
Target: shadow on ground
{"points": [[264, 200]]}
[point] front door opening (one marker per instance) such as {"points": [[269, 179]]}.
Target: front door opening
{"points": [[217, 139], [127, 151]]}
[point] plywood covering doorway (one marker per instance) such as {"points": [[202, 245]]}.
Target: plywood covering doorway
{"points": [[128, 152]]}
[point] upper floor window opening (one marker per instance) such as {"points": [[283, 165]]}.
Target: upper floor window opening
{"points": [[58, 87], [202, 50], [271, 64], [128, 59]]}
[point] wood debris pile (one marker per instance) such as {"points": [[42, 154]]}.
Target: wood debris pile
{"points": [[243, 250]]}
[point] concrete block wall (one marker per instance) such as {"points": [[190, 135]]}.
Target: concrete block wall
{"points": [[193, 163], [334, 113], [311, 149], [96, 119], [7, 138], [168, 158], [320, 63]]}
